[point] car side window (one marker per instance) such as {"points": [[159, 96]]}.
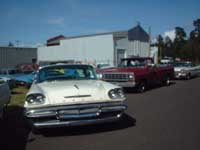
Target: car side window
{"points": [[3, 72]]}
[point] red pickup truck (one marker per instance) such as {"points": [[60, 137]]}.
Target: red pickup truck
{"points": [[139, 72]]}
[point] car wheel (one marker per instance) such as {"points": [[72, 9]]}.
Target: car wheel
{"points": [[142, 86], [188, 77], [2, 116]]}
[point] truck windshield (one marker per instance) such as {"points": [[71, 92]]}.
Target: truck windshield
{"points": [[66, 72], [133, 63]]}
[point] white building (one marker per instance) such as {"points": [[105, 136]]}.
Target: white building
{"points": [[97, 48]]}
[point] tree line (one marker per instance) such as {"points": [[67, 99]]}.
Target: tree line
{"points": [[183, 47]]}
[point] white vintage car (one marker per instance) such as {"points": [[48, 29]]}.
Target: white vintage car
{"points": [[4, 96], [186, 70], [70, 95]]}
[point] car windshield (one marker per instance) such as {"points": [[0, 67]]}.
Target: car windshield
{"points": [[183, 64], [13, 71], [66, 72]]}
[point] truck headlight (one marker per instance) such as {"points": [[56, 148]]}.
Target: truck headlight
{"points": [[116, 93], [99, 76], [35, 99]]}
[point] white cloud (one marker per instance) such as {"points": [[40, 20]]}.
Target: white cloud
{"points": [[56, 21], [170, 34]]}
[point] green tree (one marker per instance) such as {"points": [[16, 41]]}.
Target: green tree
{"points": [[179, 43], [10, 44], [167, 49], [194, 41]]}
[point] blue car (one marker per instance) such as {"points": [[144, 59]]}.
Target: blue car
{"points": [[9, 75], [25, 79], [19, 77]]}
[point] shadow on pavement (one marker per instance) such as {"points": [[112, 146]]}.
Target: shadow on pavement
{"points": [[152, 87], [13, 130], [126, 122], [16, 93]]}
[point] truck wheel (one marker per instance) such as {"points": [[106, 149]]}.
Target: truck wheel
{"points": [[167, 81], [142, 86], [35, 130]]}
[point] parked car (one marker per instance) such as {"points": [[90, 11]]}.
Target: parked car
{"points": [[186, 70], [138, 72], [25, 79], [17, 76], [70, 95], [103, 65], [4, 97], [167, 60], [10, 81], [9, 75]]}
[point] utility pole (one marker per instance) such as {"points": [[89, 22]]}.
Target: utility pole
{"points": [[149, 41], [17, 43]]}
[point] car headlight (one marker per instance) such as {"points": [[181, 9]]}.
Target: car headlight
{"points": [[35, 99], [116, 93]]}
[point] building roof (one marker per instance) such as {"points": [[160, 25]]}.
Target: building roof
{"points": [[115, 34], [56, 38], [138, 33]]}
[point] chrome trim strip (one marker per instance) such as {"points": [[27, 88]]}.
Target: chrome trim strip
{"points": [[77, 96]]}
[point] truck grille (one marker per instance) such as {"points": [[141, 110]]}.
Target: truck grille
{"points": [[118, 77]]}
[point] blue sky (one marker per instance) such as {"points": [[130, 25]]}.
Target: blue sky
{"points": [[32, 22]]}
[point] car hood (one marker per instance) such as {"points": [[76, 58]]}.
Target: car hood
{"points": [[73, 92], [28, 78], [177, 69]]}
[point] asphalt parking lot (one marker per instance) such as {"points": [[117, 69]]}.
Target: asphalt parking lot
{"points": [[160, 119]]}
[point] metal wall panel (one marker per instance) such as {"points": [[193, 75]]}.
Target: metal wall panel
{"points": [[12, 56], [136, 48]]}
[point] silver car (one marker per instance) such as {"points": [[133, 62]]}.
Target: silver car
{"points": [[5, 96]]}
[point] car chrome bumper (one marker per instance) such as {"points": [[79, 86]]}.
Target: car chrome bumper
{"points": [[74, 115], [179, 75]]}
